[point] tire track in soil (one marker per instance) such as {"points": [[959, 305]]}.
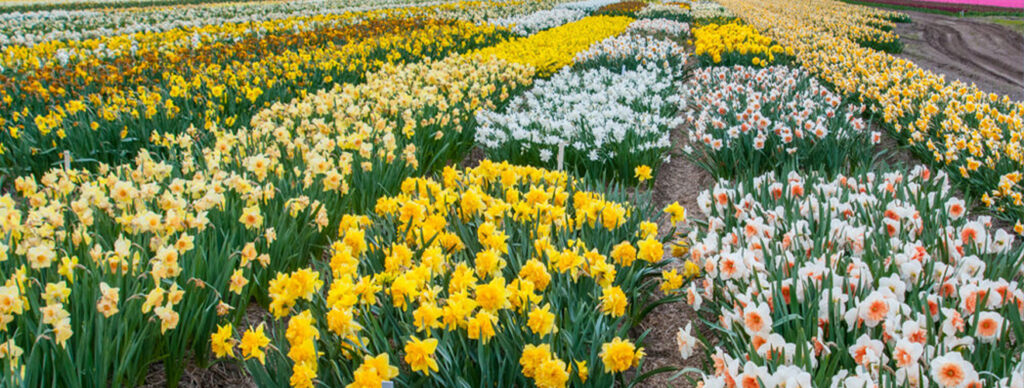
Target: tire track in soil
{"points": [[987, 54]]}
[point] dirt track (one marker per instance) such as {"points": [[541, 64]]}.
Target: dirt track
{"points": [[679, 180], [987, 54]]}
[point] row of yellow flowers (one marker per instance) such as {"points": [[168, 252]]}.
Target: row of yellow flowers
{"points": [[109, 125], [148, 64], [737, 44], [974, 135], [453, 280], [548, 51], [868, 27], [19, 59]]}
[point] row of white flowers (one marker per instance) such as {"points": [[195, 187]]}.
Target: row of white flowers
{"points": [[31, 28], [597, 115], [659, 26], [613, 113], [703, 9], [761, 118], [587, 5], [632, 51], [865, 280], [540, 20]]}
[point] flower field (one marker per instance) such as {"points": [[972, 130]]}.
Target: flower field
{"points": [[471, 193]]}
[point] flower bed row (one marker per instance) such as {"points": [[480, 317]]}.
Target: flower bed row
{"points": [[679, 12], [772, 118], [710, 10], [607, 115], [550, 50], [734, 44], [538, 21], [33, 28], [500, 275]]}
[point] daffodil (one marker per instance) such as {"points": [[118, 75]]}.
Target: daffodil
{"points": [[620, 355], [542, 321], [373, 371], [221, 341], [642, 173], [419, 354], [671, 281], [676, 212], [613, 301], [253, 342]]}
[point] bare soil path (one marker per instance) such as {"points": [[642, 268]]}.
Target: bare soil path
{"points": [[681, 181], [975, 51]]}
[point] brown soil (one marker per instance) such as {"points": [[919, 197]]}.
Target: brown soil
{"points": [[678, 180], [891, 154], [221, 374], [476, 155], [987, 54]]}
